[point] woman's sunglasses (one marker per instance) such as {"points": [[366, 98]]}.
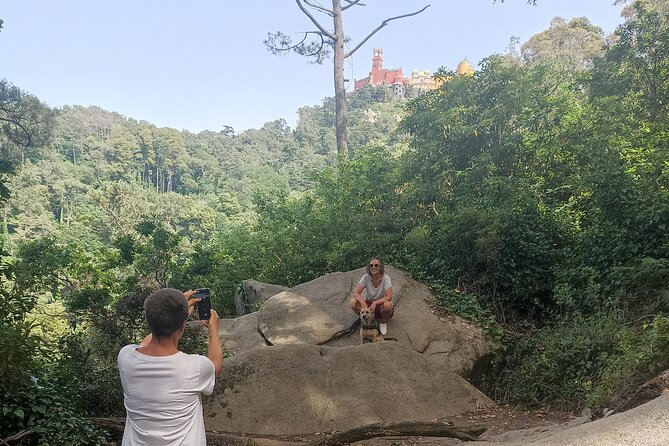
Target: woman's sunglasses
{"points": [[374, 265]]}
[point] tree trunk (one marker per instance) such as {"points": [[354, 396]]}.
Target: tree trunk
{"points": [[403, 428], [340, 91], [18, 438]]}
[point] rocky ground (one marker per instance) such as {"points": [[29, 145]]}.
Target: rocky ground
{"points": [[645, 425]]}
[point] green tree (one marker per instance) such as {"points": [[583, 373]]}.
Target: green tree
{"points": [[26, 122], [121, 151], [25, 125], [143, 133], [171, 157], [638, 65], [574, 44], [324, 43]]}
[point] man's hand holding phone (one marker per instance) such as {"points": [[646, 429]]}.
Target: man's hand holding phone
{"points": [[209, 318], [203, 303]]}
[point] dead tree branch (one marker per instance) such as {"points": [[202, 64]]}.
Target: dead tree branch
{"points": [[438, 428], [320, 8], [352, 3], [320, 27], [403, 428], [382, 25], [16, 438]]}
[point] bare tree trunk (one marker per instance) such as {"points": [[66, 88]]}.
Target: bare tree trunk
{"points": [[403, 428], [278, 43], [17, 438], [340, 91]]}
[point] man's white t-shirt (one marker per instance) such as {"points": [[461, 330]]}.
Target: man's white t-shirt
{"points": [[162, 397]]}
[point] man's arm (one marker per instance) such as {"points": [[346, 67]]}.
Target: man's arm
{"points": [[214, 350]]}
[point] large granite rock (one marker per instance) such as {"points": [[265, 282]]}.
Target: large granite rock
{"points": [[301, 388], [318, 312], [253, 294], [296, 366], [241, 334]]}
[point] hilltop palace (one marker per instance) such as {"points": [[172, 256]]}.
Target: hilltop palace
{"points": [[419, 81]]}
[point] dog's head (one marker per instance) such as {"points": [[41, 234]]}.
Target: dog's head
{"points": [[367, 317]]}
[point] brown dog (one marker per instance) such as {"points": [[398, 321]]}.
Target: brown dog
{"points": [[368, 332]]}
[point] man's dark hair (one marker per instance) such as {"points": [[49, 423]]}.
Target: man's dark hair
{"points": [[165, 311]]}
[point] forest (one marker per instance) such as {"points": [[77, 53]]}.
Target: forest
{"points": [[532, 197]]}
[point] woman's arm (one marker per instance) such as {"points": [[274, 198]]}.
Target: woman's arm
{"points": [[358, 296], [386, 298]]}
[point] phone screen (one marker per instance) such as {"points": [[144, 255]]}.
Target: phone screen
{"points": [[204, 305]]}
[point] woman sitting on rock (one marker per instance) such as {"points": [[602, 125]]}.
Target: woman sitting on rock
{"points": [[378, 294]]}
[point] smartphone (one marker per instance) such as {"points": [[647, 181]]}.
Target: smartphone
{"points": [[204, 305]]}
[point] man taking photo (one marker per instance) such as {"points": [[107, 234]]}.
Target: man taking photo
{"points": [[162, 386]]}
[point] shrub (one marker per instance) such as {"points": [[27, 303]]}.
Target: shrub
{"points": [[644, 352], [41, 408], [595, 362], [466, 305]]}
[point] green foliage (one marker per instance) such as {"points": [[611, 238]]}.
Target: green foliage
{"points": [[644, 353], [41, 408], [364, 98], [574, 44], [595, 362], [86, 371], [547, 203], [19, 346], [25, 121], [561, 364], [533, 198], [467, 305]]}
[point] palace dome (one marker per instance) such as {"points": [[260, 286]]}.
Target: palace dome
{"points": [[464, 67]]}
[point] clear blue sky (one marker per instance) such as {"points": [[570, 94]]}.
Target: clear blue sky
{"points": [[201, 64]]}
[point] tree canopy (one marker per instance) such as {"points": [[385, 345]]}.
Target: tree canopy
{"points": [[532, 197]]}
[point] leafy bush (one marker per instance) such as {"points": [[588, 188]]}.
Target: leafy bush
{"points": [[644, 352], [18, 347], [595, 362], [560, 364], [466, 305], [41, 408], [88, 373]]}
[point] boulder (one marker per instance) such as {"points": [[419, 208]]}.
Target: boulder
{"points": [[294, 389], [318, 313], [240, 334], [252, 295], [309, 313], [296, 365]]}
